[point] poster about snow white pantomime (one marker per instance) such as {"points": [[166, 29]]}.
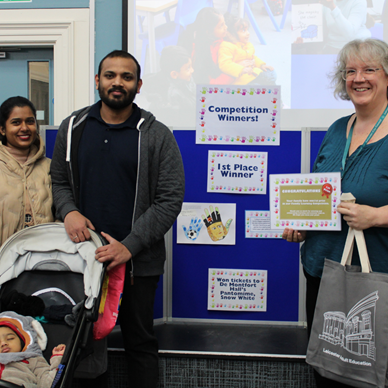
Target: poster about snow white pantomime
{"points": [[237, 172], [305, 201], [207, 223], [237, 290], [237, 114]]}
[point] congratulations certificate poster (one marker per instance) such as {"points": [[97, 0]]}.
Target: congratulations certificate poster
{"points": [[305, 201], [238, 115]]}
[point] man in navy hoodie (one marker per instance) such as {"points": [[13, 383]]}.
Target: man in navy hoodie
{"points": [[117, 170]]}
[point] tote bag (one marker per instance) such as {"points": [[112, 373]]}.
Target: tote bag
{"points": [[349, 336]]}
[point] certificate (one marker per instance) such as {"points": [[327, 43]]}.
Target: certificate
{"points": [[305, 201]]}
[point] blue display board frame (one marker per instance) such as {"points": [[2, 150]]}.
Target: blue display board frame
{"points": [[279, 258]]}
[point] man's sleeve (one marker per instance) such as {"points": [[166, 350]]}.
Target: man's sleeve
{"points": [[155, 222], [62, 191]]}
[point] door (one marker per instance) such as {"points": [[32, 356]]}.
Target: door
{"points": [[29, 72]]}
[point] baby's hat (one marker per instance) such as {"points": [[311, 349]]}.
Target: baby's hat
{"points": [[30, 332]]}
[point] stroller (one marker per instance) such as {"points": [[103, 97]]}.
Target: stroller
{"points": [[43, 261]]}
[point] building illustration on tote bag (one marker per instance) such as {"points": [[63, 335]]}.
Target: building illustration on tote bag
{"points": [[356, 331]]}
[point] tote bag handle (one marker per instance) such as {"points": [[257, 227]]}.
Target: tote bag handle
{"points": [[357, 235]]}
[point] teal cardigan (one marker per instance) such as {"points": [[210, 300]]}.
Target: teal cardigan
{"points": [[367, 180]]}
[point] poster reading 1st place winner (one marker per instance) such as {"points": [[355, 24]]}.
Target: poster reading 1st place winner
{"points": [[237, 172], [305, 201], [238, 115]]}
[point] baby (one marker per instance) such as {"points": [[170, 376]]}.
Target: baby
{"points": [[22, 340]]}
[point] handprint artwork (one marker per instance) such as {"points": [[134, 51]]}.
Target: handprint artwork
{"points": [[215, 228], [192, 232], [195, 217]]}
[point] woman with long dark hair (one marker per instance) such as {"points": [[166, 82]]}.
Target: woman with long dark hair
{"points": [[25, 182]]}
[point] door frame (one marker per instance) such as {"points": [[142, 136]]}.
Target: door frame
{"points": [[68, 32]]}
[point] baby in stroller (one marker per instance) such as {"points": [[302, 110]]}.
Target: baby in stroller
{"points": [[22, 340], [42, 261]]}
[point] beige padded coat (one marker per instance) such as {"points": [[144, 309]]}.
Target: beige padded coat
{"points": [[31, 373], [16, 180]]}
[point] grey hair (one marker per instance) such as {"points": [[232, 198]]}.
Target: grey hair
{"points": [[366, 50]]}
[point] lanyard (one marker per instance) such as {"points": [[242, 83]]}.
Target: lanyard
{"points": [[349, 140]]}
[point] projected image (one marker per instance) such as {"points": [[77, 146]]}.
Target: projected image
{"points": [[291, 43], [209, 42], [324, 27], [319, 31]]}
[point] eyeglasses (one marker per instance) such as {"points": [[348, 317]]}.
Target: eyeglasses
{"points": [[350, 74]]}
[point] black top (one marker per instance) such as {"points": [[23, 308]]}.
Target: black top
{"points": [[108, 160]]}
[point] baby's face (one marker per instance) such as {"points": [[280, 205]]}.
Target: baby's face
{"points": [[9, 341]]}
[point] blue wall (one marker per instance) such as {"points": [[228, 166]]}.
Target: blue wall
{"points": [[108, 29]]}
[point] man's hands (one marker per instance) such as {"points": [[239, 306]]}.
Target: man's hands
{"points": [[76, 226], [115, 252]]}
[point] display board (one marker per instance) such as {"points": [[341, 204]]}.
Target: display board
{"points": [[280, 259], [315, 144]]}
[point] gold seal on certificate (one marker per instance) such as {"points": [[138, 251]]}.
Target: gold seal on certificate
{"points": [[305, 201]]}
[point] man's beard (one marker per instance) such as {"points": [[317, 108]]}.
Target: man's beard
{"points": [[122, 102]]}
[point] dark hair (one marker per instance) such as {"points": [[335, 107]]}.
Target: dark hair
{"points": [[119, 54], [7, 107], [173, 58], [234, 25], [203, 64]]}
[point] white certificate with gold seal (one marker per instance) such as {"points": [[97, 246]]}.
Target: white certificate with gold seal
{"points": [[305, 201]]}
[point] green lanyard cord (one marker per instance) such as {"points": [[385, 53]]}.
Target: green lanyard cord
{"points": [[345, 166]]}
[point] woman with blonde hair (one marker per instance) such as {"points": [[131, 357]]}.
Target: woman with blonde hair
{"points": [[356, 146]]}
